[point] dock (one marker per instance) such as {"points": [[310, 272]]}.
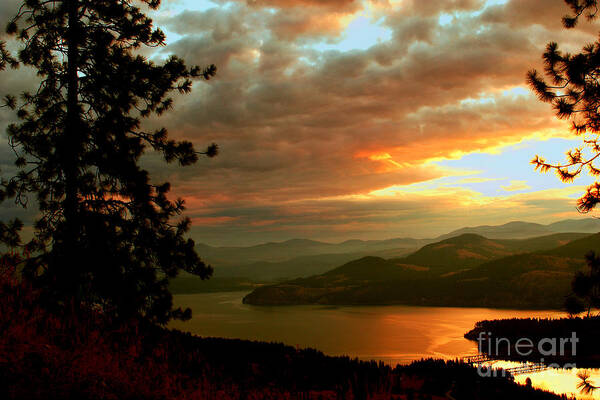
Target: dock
{"points": [[524, 368]]}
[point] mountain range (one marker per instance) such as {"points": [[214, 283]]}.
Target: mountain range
{"points": [[522, 230], [304, 257], [443, 274], [242, 268]]}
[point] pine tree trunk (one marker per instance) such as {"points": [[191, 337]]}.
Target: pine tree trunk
{"points": [[70, 145]]}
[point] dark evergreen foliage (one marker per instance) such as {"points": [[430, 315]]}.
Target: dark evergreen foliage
{"points": [[572, 86], [106, 234], [585, 354], [586, 288]]}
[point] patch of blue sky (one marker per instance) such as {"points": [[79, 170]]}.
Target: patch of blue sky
{"points": [[517, 91], [479, 100], [484, 98], [170, 8], [494, 173], [360, 34], [177, 6], [445, 19], [312, 61], [486, 5], [495, 2]]}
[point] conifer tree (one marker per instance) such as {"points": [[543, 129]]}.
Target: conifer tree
{"points": [[585, 286], [107, 236], [572, 85]]}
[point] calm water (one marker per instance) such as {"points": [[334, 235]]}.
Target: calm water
{"points": [[394, 334]]}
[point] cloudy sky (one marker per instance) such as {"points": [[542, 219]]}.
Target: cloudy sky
{"points": [[368, 119]]}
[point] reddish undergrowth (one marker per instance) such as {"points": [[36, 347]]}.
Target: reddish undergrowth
{"points": [[80, 355], [46, 355]]}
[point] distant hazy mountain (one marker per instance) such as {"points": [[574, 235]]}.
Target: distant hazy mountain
{"points": [[538, 279], [298, 267], [520, 230], [287, 250], [591, 225], [511, 230], [290, 249], [302, 257]]}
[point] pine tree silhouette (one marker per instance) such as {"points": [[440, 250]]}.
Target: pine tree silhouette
{"points": [[106, 235], [573, 90]]}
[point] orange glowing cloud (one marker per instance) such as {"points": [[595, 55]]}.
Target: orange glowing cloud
{"points": [[309, 131]]}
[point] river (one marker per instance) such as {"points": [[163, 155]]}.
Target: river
{"points": [[393, 334]]}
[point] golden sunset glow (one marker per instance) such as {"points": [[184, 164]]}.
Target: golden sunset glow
{"points": [[352, 99], [349, 99]]}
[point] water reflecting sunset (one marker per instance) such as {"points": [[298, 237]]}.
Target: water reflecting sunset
{"points": [[393, 334]]}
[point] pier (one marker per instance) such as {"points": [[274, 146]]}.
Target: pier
{"points": [[524, 368]]}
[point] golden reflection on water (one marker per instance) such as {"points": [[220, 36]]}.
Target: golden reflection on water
{"points": [[393, 334], [559, 381]]}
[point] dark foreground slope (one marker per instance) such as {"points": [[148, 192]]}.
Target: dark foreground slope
{"points": [[83, 356], [532, 280]]}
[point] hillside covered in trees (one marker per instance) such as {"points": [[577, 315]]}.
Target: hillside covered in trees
{"points": [[243, 268], [467, 270]]}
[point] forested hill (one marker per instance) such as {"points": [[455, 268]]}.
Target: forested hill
{"points": [[522, 280], [299, 258], [453, 254]]}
